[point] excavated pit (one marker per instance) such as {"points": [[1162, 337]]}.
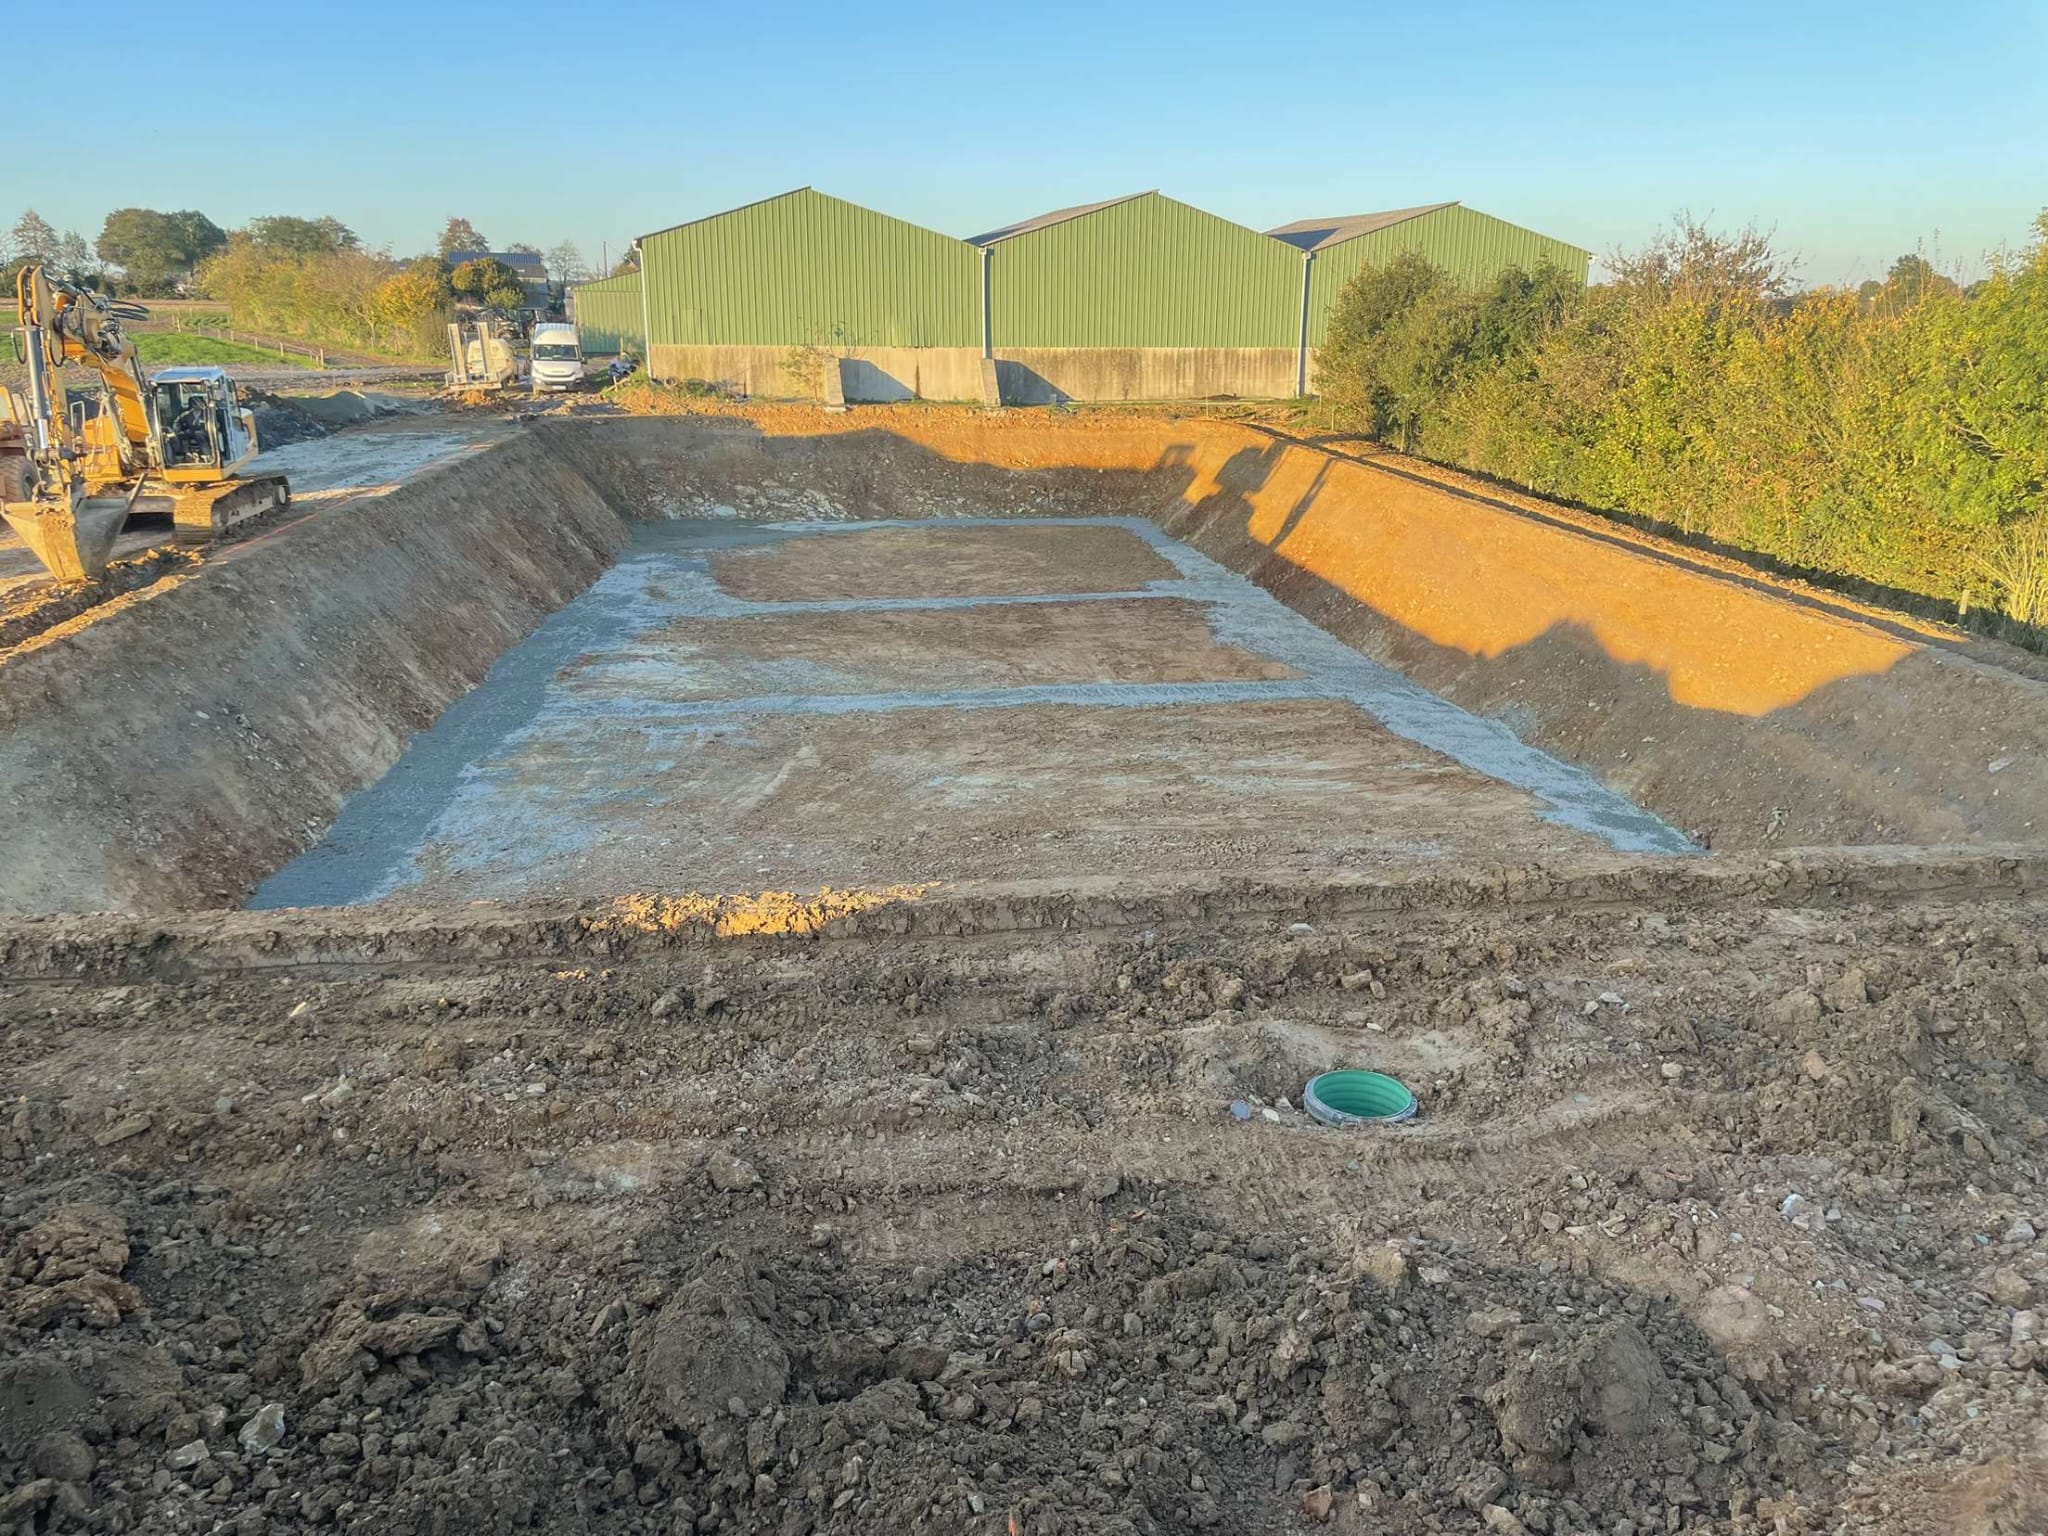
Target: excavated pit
{"points": [[599, 1172], [1557, 677], [796, 705]]}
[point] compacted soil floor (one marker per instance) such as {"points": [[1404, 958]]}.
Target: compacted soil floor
{"points": [[739, 705], [1723, 1211]]}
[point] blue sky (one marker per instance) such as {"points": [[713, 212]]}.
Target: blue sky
{"points": [[1856, 132]]}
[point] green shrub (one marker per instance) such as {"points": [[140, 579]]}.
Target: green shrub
{"points": [[1897, 435]]}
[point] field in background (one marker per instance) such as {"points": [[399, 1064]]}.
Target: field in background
{"points": [[184, 315], [163, 349]]}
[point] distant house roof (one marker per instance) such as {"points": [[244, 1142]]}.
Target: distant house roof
{"points": [[1047, 220], [532, 271], [1320, 234], [524, 262]]}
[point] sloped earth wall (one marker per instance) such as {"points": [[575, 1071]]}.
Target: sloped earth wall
{"points": [[172, 747], [175, 746]]}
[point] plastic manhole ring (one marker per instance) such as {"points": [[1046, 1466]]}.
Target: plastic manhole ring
{"points": [[1358, 1098]]}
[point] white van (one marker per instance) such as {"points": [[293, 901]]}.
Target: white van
{"points": [[557, 358]]}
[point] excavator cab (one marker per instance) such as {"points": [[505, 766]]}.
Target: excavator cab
{"points": [[204, 432]]}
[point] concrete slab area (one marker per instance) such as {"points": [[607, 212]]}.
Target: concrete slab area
{"points": [[738, 706], [943, 560], [984, 646]]}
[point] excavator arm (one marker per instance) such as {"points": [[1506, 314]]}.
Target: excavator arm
{"points": [[68, 478], [64, 324]]}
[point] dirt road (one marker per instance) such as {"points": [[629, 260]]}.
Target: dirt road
{"points": [[324, 473], [299, 380]]}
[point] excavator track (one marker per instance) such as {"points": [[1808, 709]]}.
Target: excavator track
{"points": [[218, 511]]}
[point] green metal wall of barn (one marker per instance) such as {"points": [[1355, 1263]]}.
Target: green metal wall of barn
{"points": [[1146, 272], [807, 269], [607, 315], [1473, 247]]}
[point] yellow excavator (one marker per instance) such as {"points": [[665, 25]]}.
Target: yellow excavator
{"points": [[72, 475]]}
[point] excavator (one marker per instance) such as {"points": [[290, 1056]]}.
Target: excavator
{"points": [[71, 476]]}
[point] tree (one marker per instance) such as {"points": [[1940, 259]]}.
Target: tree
{"points": [[1387, 345], [411, 301], [156, 249], [1911, 280], [32, 240], [1690, 263], [458, 234], [1968, 416], [523, 249], [350, 297], [489, 281], [201, 236], [1893, 435], [566, 265], [303, 237], [75, 258]]}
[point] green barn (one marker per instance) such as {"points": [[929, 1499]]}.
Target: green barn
{"points": [[1140, 298], [1134, 298], [755, 295], [1473, 247], [608, 315]]}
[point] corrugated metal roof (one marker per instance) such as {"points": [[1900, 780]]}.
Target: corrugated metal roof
{"points": [[1319, 234], [1146, 271], [742, 208], [806, 268], [1057, 216]]}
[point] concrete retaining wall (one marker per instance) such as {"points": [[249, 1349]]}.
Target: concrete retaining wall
{"points": [[176, 745], [880, 375], [1048, 375], [1026, 375]]}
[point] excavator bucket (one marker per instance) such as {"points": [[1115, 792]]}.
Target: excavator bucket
{"points": [[73, 545]]}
